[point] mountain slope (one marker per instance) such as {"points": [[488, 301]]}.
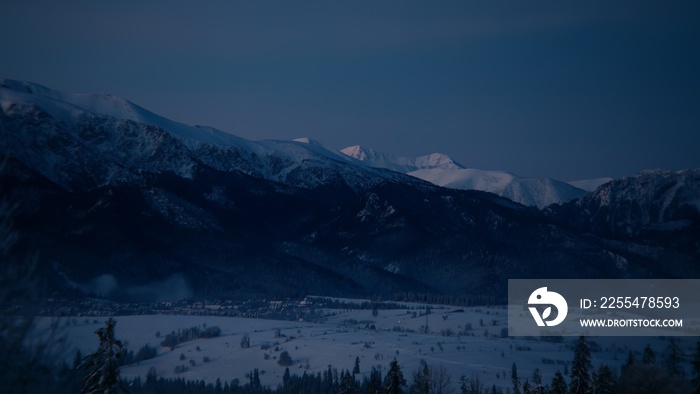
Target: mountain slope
{"points": [[182, 148], [372, 158], [232, 235], [118, 139], [130, 202], [648, 201], [534, 192], [441, 170], [652, 218]]}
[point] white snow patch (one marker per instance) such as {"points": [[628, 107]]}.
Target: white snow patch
{"points": [[537, 192], [377, 159], [393, 268], [397, 334]]}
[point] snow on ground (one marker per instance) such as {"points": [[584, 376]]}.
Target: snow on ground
{"points": [[347, 334], [535, 192]]}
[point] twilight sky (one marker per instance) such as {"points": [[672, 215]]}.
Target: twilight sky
{"points": [[549, 89]]}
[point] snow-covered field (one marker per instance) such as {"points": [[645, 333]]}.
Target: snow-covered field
{"points": [[343, 337]]}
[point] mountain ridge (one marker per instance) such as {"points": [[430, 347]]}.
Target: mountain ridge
{"points": [[98, 195], [208, 142], [441, 170], [278, 161], [402, 164]]}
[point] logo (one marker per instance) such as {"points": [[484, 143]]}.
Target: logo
{"points": [[543, 297]]}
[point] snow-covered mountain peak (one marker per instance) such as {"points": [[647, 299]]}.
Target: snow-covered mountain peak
{"points": [[356, 152], [65, 106], [377, 159], [22, 87], [306, 144], [110, 138], [372, 157], [96, 103], [437, 160], [441, 170], [536, 192], [312, 143], [91, 140]]}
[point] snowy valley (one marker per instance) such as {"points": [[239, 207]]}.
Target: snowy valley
{"points": [[115, 204], [463, 344]]}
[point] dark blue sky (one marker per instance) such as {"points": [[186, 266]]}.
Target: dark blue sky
{"points": [[554, 89]]}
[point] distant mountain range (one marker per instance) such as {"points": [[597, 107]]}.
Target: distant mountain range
{"points": [[120, 202], [373, 158], [441, 170]]}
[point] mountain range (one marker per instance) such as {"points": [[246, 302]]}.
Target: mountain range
{"points": [[116, 201], [441, 170]]}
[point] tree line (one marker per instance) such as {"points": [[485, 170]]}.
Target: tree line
{"points": [[101, 374], [650, 376]]}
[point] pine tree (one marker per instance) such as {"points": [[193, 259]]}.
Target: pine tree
{"points": [[695, 382], [394, 380], [674, 359], [286, 377], [330, 380], [151, 377], [354, 384], [558, 384], [348, 385], [630, 360], [581, 368], [374, 384], [604, 381], [463, 388], [255, 385], [102, 366], [649, 357], [514, 379], [356, 368], [526, 387], [537, 387]]}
